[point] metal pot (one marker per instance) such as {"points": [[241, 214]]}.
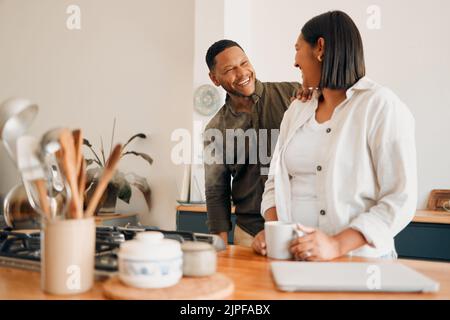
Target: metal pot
{"points": [[18, 212]]}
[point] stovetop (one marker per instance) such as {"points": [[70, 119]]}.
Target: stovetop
{"points": [[22, 250]]}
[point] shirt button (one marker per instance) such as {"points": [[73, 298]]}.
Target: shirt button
{"points": [[322, 212], [328, 130], [319, 168]]}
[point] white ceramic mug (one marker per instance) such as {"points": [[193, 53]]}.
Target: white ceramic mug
{"points": [[279, 236]]}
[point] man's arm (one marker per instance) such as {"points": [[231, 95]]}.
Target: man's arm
{"points": [[218, 203], [224, 236], [217, 187]]}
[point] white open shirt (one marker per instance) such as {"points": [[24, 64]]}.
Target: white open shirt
{"points": [[368, 176]]}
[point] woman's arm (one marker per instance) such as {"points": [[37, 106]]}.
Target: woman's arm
{"points": [[349, 240], [391, 142], [318, 246], [271, 214]]}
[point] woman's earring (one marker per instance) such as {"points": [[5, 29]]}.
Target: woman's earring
{"points": [[320, 58]]}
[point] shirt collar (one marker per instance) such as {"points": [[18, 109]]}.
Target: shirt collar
{"points": [[361, 85], [259, 90]]}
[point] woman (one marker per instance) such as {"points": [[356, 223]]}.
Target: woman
{"points": [[344, 167]]}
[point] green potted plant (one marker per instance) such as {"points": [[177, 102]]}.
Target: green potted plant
{"points": [[120, 185]]}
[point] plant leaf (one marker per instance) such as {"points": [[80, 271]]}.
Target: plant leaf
{"points": [[142, 185], [145, 156], [89, 145], [139, 135], [102, 150], [112, 137], [91, 161]]}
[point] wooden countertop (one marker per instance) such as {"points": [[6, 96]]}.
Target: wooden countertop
{"points": [[431, 216], [196, 208], [252, 277], [423, 216], [250, 273]]}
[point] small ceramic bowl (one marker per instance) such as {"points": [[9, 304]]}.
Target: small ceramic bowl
{"points": [[199, 259], [150, 261]]}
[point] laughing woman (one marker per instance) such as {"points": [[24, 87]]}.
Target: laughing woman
{"points": [[344, 167]]}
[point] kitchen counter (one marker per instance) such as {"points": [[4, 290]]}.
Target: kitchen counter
{"points": [[250, 273], [427, 237], [422, 216]]}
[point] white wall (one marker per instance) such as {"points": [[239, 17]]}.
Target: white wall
{"points": [[410, 54], [139, 61], [214, 20], [131, 60]]}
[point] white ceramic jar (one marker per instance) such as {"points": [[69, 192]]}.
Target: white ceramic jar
{"points": [[199, 259], [150, 261]]}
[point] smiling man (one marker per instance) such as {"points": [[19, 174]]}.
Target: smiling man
{"points": [[252, 110]]}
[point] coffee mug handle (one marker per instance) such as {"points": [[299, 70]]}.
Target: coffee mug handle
{"points": [[297, 233]]}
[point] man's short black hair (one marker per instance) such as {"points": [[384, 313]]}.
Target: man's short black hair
{"points": [[343, 62], [216, 48]]}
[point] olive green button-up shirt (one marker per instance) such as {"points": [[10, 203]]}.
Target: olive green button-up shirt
{"points": [[237, 171]]}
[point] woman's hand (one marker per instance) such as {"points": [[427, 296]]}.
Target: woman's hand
{"points": [[315, 245], [259, 243], [303, 94]]}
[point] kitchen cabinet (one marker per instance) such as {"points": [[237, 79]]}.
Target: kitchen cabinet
{"points": [[193, 218], [424, 240], [427, 237]]}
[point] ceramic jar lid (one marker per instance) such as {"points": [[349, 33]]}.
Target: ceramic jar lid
{"points": [[150, 246]]}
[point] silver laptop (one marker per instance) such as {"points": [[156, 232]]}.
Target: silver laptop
{"points": [[349, 277]]}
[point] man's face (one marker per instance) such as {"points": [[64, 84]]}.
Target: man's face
{"points": [[234, 72]]}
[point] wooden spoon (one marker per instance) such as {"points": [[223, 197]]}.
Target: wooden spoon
{"points": [[107, 175], [82, 181], [78, 141], [69, 168]]}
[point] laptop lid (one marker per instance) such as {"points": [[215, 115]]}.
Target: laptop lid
{"points": [[349, 277]]}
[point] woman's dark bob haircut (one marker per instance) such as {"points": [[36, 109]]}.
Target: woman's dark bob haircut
{"points": [[343, 62]]}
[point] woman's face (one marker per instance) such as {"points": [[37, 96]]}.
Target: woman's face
{"points": [[306, 59]]}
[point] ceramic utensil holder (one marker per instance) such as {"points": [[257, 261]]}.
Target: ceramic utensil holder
{"points": [[67, 256]]}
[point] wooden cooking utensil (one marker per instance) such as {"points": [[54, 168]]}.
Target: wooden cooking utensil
{"points": [[69, 168], [78, 141], [107, 175], [42, 193], [82, 180]]}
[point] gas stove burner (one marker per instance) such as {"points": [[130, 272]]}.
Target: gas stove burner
{"points": [[25, 246], [22, 250]]}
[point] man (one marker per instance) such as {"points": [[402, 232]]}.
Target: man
{"points": [[250, 105]]}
